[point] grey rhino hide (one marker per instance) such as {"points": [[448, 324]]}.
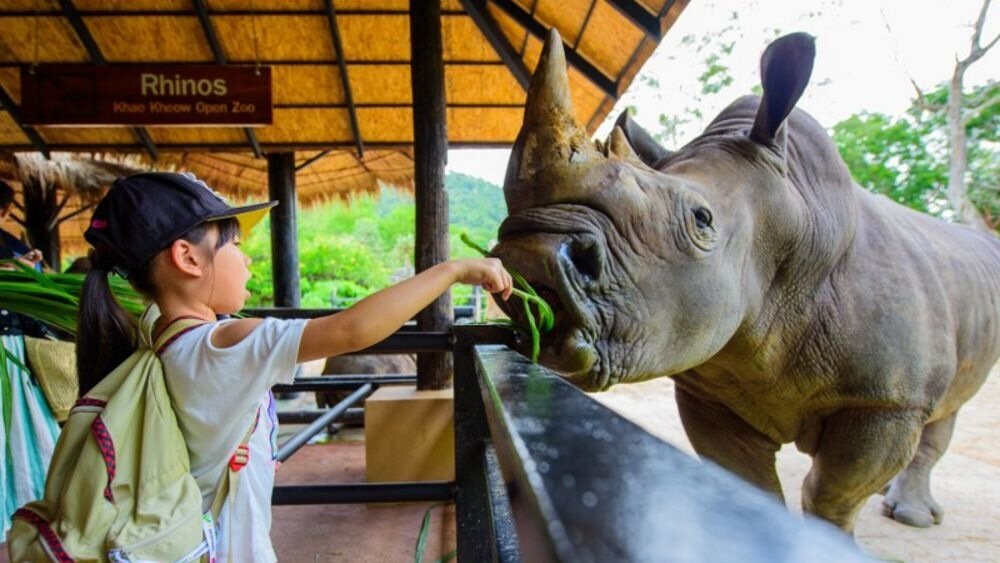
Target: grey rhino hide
{"points": [[788, 303]]}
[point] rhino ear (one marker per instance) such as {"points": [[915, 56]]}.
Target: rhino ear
{"points": [[644, 145], [785, 68]]}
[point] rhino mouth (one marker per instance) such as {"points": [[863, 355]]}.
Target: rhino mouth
{"points": [[569, 347]]}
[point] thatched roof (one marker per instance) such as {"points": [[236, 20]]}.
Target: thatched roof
{"points": [[487, 60], [320, 92], [243, 177]]}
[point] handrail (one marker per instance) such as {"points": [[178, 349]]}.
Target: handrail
{"points": [[586, 484], [461, 312]]}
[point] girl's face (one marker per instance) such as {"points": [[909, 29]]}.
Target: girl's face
{"points": [[228, 276]]}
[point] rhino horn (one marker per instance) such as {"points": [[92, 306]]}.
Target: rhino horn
{"points": [[642, 142], [619, 146], [551, 138]]}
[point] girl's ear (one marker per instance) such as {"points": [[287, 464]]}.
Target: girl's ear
{"points": [[186, 257]]}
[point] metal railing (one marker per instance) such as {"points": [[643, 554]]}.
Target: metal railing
{"points": [[546, 473]]}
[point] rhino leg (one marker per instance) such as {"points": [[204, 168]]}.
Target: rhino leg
{"points": [[859, 451], [909, 499], [719, 435]]}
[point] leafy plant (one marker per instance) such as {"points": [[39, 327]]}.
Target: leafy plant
{"points": [[55, 298]]}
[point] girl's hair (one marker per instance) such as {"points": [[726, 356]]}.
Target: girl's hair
{"points": [[106, 333]]}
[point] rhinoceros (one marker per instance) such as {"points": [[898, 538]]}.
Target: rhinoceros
{"points": [[787, 303]]}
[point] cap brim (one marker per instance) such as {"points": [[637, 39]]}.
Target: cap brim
{"points": [[248, 215]]}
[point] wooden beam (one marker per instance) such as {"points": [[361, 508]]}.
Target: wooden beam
{"points": [[583, 26], [254, 143], [97, 57], [338, 49], [284, 244], [397, 144], [15, 113], [309, 161], [146, 141], [70, 13], [646, 21], [606, 85], [488, 26], [209, 30], [430, 147], [220, 59]]}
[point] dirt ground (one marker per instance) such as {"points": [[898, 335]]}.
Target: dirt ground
{"points": [[966, 482]]}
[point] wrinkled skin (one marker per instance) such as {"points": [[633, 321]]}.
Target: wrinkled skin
{"points": [[788, 303]]}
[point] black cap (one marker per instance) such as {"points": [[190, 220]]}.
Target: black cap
{"points": [[144, 213]]}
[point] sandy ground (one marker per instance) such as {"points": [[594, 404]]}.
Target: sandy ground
{"points": [[966, 482]]}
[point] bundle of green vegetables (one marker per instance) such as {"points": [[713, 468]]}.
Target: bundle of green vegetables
{"points": [[542, 319], [54, 298]]}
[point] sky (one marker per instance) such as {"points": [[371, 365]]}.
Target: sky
{"points": [[868, 51]]}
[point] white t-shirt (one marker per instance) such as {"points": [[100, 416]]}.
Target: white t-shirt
{"points": [[217, 394]]}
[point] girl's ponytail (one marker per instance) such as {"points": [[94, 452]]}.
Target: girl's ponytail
{"points": [[105, 332]]}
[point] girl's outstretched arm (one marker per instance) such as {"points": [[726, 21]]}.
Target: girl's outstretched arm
{"points": [[377, 316]]}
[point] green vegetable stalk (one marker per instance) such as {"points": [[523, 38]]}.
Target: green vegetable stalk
{"points": [[545, 317]]}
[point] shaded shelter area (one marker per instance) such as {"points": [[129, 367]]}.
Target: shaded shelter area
{"points": [[391, 84], [354, 75]]}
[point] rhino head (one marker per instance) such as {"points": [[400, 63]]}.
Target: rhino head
{"points": [[654, 261]]}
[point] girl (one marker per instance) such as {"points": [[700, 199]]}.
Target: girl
{"points": [[177, 242]]}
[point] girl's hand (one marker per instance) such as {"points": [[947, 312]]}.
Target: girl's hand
{"points": [[487, 272], [31, 258]]}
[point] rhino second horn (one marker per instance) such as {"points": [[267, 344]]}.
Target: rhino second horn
{"points": [[619, 146]]}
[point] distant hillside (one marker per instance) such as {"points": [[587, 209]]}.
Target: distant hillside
{"points": [[474, 205]]}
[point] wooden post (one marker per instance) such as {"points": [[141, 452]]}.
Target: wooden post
{"points": [[40, 210], [430, 148], [284, 245]]}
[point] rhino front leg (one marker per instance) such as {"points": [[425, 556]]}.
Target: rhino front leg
{"points": [[909, 499], [859, 451], [719, 435]]}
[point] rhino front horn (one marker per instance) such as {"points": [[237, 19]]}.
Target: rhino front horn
{"points": [[550, 135]]}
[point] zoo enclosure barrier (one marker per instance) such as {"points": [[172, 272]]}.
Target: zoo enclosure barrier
{"points": [[546, 473]]}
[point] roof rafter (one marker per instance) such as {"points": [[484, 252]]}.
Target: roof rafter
{"points": [[639, 16], [220, 59], [607, 85], [15, 113], [486, 24], [338, 49], [70, 13]]}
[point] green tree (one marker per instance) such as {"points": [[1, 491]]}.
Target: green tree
{"points": [[348, 250], [908, 159]]}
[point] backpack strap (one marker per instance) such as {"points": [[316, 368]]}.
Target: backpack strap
{"points": [[230, 477], [174, 330]]}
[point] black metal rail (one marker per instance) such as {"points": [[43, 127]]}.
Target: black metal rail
{"points": [[585, 484], [545, 473]]}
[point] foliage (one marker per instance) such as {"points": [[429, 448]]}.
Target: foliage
{"points": [[906, 157], [55, 298], [348, 250]]}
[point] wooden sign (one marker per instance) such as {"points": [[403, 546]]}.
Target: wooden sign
{"points": [[76, 95]]}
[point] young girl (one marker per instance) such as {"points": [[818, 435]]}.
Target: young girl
{"points": [[177, 242]]}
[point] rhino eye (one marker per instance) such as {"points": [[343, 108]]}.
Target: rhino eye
{"points": [[703, 218]]}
